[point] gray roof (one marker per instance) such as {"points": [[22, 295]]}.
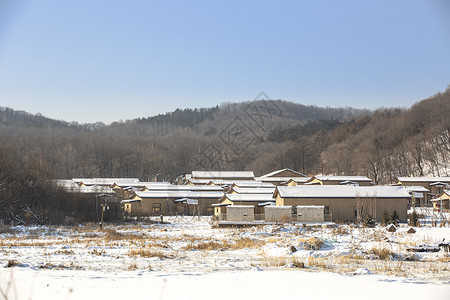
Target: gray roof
{"points": [[254, 190], [106, 181], [282, 179], [342, 178], [178, 194], [272, 174], [93, 190], [416, 188], [174, 187], [424, 179], [342, 191], [249, 197]]}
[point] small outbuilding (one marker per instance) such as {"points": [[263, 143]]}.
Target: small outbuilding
{"points": [[240, 213], [310, 213], [279, 214]]}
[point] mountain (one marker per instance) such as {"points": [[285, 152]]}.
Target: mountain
{"points": [[260, 135]]}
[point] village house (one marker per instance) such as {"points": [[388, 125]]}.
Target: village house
{"points": [[441, 203], [339, 180], [220, 175], [435, 185], [347, 203], [281, 176], [258, 201], [418, 196], [254, 190], [296, 181], [155, 203], [125, 189], [104, 181]]}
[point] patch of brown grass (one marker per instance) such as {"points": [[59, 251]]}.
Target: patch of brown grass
{"points": [[208, 246], [147, 253], [382, 253], [318, 262], [311, 243], [246, 243]]}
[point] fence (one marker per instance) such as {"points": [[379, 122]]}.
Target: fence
{"points": [[261, 217]]}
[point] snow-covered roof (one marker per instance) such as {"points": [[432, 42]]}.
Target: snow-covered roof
{"points": [[255, 190], [247, 183], [178, 194], [143, 184], [249, 197], [342, 191], [67, 184], [174, 187], [424, 179], [187, 201], [283, 179], [199, 181], [342, 178], [105, 181], [416, 188], [222, 174], [274, 173], [94, 190]]}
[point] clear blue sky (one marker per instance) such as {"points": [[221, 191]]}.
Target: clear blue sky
{"points": [[105, 60]]}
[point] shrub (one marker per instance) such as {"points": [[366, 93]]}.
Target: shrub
{"points": [[413, 219], [369, 222], [385, 218], [311, 243], [395, 218]]}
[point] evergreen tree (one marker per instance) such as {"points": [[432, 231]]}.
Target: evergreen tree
{"points": [[369, 222], [385, 218], [395, 217], [413, 219]]}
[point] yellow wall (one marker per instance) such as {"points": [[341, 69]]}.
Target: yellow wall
{"points": [[344, 209]]}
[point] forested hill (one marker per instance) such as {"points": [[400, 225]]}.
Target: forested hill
{"points": [[261, 136]]}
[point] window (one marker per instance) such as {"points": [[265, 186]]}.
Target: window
{"points": [[156, 207], [326, 210]]}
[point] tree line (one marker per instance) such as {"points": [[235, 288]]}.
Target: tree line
{"points": [[380, 144]]}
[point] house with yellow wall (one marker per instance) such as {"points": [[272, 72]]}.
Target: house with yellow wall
{"points": [[435, 185], [441, 203], [347, 203], [281, 176], [339, 180]]}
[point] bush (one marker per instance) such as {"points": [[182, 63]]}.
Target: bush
{"points": [[385, 219], [413, 219], [369, 222], [395, 218]]}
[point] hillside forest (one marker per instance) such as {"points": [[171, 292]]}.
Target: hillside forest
{"points": [[261, 136]]}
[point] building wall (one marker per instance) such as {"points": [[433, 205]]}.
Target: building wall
{"points": [[240, 213], [310, 213], [344, 209], [281, 214], [153, 206]]}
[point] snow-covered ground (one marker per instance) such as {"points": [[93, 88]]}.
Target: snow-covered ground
{"points": [[190, 259]]}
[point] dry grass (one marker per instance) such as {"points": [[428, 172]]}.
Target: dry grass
{"points": [[147, 253], [274, 261], [318, 262], [382, 253], [311, 243], [12, 263], [340, 230], [97, 252], [246, 243], [208, 246]]}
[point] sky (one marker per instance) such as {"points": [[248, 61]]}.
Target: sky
{"points": [[105, 60]]}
